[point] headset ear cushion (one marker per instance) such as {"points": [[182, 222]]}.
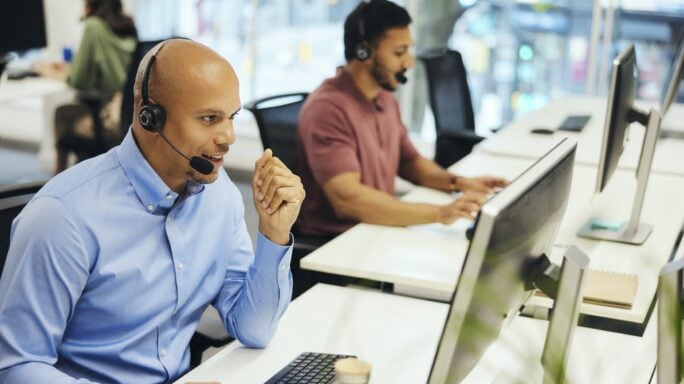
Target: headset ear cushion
{"points": [[152, 117], [362, 52]]}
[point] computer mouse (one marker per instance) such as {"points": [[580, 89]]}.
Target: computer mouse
{"points": [[542, 131]]}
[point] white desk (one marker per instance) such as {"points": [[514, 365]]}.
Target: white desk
{"points": [[516, 140], [425, 261], [27, 113], [399, 337], [595, 356], [387, 330], [13, 90]]}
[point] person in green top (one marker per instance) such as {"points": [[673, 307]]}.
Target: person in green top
{"points": [[100, 66]]}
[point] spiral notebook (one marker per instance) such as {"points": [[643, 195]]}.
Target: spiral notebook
{"points": [[608, 288]]}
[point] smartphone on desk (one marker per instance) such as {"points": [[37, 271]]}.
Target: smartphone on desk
{"points": [[574, 123]]}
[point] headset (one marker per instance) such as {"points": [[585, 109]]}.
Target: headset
{"points": [[362, 49], [153, 116]]}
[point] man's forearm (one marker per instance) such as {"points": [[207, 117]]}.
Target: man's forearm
{"points": [[427, 173], [371, 206]]}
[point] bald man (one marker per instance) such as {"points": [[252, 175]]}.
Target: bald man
{"points": [[113, 262]]}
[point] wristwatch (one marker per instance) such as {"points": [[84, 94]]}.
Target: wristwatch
{"points": [[452, 183]]}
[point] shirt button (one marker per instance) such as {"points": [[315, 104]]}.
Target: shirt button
{"points": [[150, 207], [169, 197], [163, 352], [283, 267], [181, 265]]}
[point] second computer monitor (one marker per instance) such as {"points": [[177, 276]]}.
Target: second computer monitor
{"points": [[515, 227], [674, 77], [620, 101], [620, 113]]}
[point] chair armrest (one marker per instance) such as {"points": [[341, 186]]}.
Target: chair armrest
{"points": [[463, 136]]}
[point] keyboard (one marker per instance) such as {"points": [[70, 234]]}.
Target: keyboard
{"points": [[574, 123], [310, 368]]}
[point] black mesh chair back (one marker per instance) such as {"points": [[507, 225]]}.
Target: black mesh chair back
{"points": [[449, 97], [448, 90], [277, 118], [127, 101], [12, 201]]}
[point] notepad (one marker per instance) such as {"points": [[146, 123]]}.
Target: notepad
{"points": [[608, 288]]}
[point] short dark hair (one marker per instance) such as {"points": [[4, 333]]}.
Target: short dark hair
{"points": [[369, 21]]}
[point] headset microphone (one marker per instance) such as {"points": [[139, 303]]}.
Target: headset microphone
{"points": [[399, 76], [199, 164]]}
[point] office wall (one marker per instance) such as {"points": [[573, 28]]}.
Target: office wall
{"points": [[64, 26]]}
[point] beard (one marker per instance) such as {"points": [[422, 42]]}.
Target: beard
{"points": [[200, 178], [381, 76]]}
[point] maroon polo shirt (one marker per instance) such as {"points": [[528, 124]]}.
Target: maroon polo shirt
{"points": [[341, 131]]}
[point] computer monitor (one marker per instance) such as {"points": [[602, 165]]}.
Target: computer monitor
{"points": [[513, 230], [672, 88], [22, 25], [674, 76], [669, 368], [620, 114]]}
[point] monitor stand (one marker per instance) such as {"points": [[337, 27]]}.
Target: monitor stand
{"points": [[632, 231]]}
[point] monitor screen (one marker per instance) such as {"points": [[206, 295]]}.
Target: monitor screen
{"points": [[673, 80], [514, 227], [620, 101], [22, 25]]}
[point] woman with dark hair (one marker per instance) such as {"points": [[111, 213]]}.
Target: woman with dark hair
{"points": [[101, 62], [100, 66]]}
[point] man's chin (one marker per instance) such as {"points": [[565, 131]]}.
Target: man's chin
{"points": [[389, 87], [204, 179]]}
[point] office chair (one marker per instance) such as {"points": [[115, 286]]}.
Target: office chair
{"points": [[86, 147], [451, 105], [13, 198], [277, 118]]}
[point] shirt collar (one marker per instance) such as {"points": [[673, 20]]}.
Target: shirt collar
{"points": [[345, 82], [152, 192]]}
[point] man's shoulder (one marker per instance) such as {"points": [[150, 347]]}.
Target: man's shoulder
{"points": [[93, 174], [329, 94]]}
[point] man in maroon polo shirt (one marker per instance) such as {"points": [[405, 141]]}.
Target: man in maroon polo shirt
{"points": [[352, 143]]}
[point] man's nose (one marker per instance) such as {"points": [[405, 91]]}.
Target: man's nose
{"points": [[227, 134]]}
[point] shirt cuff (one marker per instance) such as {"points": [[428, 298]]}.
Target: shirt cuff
{"points": [[269, 253], [270, 256]]}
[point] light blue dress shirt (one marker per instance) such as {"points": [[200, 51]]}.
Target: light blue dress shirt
{"points": [[109, 271]]}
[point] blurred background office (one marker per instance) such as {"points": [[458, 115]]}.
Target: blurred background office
{"points": [[519, 54]]}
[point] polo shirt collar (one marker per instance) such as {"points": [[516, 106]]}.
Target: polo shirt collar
{"points": [[151, 190]]}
